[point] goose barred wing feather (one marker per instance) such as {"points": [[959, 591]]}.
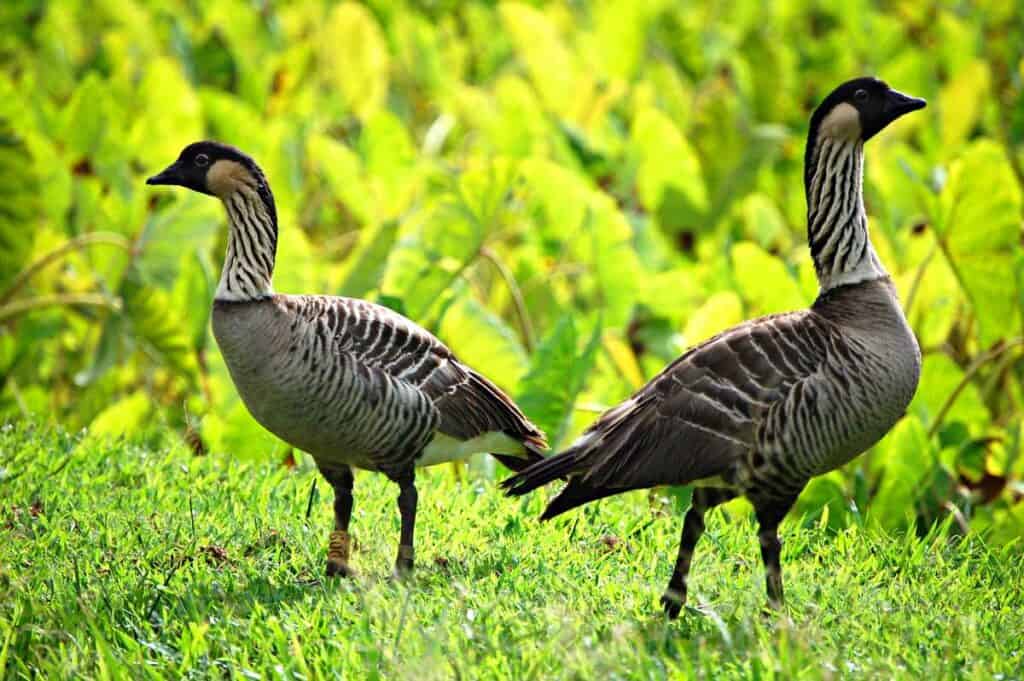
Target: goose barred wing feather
{"points": [[698, 417], [468, 404], [709, 407]]}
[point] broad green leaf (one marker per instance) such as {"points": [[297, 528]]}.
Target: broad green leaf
{"points": [[558, 371], [961, 101], [721, 311], [765, 281], [191, 222], [366, 265], [485, 342], [171, 112], [940, 376], [623, 358], [824, 499], [668, 171], [907, 458], [193, 294], [19, 198], [122, 418], [980, 226], [437, 245], [342, 168], [158, 327], [764, 223], [354, 58], [87, 118], [548, 61]]}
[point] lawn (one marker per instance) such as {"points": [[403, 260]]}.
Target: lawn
{"points": [[137, 559]]}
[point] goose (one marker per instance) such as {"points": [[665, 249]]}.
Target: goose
{"points": [[760, 409], [354, 384]]}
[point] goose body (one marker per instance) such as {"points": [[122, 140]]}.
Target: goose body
{"points": [[352, 383], [761, 408], [357, 384]]}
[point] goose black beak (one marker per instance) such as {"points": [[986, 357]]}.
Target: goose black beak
{"points": [[898, 104], [170, 175]]}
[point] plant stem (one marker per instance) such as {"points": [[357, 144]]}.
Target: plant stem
{"points": [[27, 304], [517, 296], [975, 366], [75, 244]]}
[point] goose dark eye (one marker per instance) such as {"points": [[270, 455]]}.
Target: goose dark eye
{"points": [[860, 96], [202, 160]]}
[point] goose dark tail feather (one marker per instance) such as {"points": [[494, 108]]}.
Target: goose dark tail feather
{"points": [[575, 494], [540, 473], [520, 463]]}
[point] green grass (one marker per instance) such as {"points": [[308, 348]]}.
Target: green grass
{"points": [[138, 560]]}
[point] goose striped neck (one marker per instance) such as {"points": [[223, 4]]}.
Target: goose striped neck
{"points": [[837, 224], [252, 237]]}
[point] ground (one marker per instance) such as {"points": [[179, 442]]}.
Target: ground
{"points": [[137, 559]]}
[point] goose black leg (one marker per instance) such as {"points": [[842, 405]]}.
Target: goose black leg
{"points": [[704, 498], [340, 546], [407, 499], [769, 515]]}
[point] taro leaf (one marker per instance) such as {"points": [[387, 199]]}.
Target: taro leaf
{"points": [[718, 313], [192, 222], [907, 458], [823, 495], [157, 326], [980, 228], [482, 339], [354, 58], [442, 240], [558, 371], [109, 350], [961, 101], [669, 178], [193, 294], [19, 204], [126, 416], [550, 64], [366, 265], [765, 281], [939, 378], [342, 169]]}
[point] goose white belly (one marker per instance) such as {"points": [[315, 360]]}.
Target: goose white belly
{"points": [[443, 448]]}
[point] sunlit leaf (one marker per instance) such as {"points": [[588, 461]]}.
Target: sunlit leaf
{"points": [[354, 57], [721, 311], [669, 170], [980, 227], [940, 376], [907, 457], [550, 64], [765, 281], [366, 265], [19, 201], [484, 341], [123, 417], [961, 102], [558, 370]]}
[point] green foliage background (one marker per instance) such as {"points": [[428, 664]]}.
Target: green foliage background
{"points": [[569, 195]]}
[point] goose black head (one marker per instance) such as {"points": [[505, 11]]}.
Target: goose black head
{"points": [[859, 109], [217, 169], [211, 168]]}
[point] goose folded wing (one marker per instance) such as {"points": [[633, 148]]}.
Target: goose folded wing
{"points": [[701, 414], [469, 404]]}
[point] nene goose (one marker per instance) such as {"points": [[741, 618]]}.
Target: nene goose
{"points": [[350, 382], [763, 407]]}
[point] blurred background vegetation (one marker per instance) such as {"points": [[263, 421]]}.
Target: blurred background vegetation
{"points": [[568, 194]]}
